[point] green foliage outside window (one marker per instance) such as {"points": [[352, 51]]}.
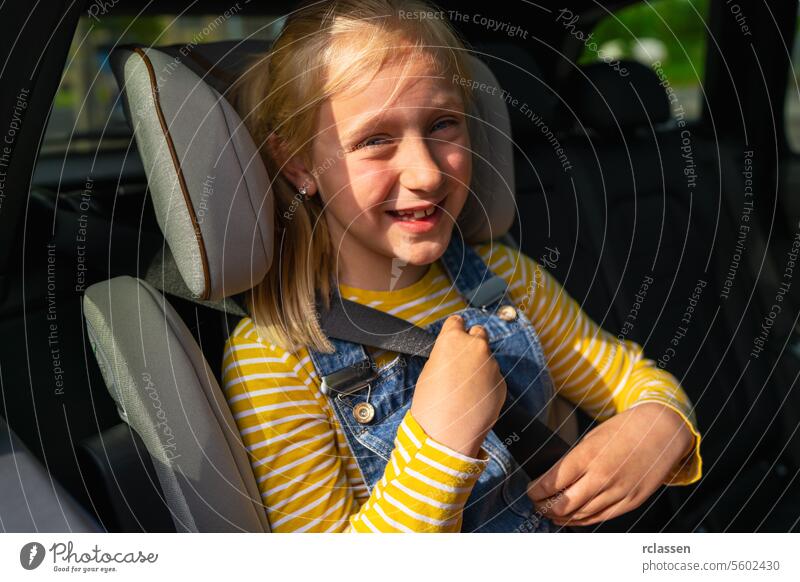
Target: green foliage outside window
{"points": [[670, 31]]}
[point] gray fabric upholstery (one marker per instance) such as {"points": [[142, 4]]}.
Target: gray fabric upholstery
{"points": [[491, 206], [162, 273], [31, 500], [165, 390], [210, 189]]}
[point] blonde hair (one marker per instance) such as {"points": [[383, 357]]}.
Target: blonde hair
{"points": [[324, 49]]}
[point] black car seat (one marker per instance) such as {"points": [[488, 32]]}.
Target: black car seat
{"points": [[658, 203]]}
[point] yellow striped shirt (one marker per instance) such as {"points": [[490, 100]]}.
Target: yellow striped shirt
{"points": [[302, 463]]}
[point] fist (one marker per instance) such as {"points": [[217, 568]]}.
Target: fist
{"points": [[460, 390]]}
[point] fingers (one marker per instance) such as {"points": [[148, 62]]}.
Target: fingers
{"points": [[611, 511], [573, 498], [478, 331], [601, 502], [561, 475], [454, 322], [586, 501]]}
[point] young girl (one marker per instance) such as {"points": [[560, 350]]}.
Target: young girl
{"points": [[365, 135]]}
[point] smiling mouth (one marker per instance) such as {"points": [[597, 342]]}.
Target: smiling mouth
{"points": [[413, 214], [418, 213]]}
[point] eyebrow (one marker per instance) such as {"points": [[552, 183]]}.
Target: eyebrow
{"points": [[445, 102]]}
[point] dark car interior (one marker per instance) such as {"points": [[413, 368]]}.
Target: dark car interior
{"points": [[677, 232]]}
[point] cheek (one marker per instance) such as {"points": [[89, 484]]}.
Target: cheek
{"points": [[461, 163], [457, 164], [455, 160], [353, 189]]}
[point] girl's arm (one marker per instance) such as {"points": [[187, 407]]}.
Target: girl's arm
{"points": [[307, 478], [591, 367], [424, 488]]}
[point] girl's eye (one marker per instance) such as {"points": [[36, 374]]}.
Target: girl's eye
{"points": [[444, 124], [382, 140], [372, 142]]}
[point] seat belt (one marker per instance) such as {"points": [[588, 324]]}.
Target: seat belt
{"points": [[532, 444]]}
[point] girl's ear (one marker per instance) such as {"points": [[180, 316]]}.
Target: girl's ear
{"points": [[293, 168]]}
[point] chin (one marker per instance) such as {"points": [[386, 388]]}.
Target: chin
{"points": [[421, 253]]}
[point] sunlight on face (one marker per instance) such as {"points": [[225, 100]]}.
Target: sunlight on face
{"points": [[393, 165]]}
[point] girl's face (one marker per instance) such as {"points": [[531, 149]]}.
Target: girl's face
{"points": [[393, 166]]}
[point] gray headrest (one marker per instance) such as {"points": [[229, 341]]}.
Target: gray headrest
{"points": [[491, 206], [209, 186], [210, 190], [608, 102]]}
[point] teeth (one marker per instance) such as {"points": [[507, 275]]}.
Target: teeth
{"points": [[416, 213]]}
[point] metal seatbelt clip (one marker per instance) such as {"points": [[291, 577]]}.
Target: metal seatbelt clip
{"points": [[349, 379]]}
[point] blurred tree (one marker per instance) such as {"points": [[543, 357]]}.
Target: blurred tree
{"points": [[680, 25]]}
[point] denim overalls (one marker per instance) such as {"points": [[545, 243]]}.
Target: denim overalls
{"points": [[498, 502]]}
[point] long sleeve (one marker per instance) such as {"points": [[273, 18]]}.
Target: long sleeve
{"points": [[590, 367], [307, 478], [424, 488]]}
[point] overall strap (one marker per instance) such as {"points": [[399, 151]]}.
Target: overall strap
{"points": [[472, 278], [347, 369]]}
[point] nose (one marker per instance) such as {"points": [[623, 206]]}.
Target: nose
{"points": [[420, 170]]}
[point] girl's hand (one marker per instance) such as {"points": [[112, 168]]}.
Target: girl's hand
{"points": [[615, 468], [460, 390]]}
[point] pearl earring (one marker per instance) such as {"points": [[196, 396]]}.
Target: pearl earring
{"points": [[303, 190]]}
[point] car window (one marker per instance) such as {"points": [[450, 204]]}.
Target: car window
{"points": [[86, 107], [666, 35]]}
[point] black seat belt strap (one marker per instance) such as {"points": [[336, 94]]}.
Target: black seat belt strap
{"points": [[353, 322]]}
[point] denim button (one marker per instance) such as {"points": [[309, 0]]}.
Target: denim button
{"points": [[507, 313], [364, 412]]}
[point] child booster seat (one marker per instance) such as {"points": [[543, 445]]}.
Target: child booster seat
{"points": [[213, 201]]}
